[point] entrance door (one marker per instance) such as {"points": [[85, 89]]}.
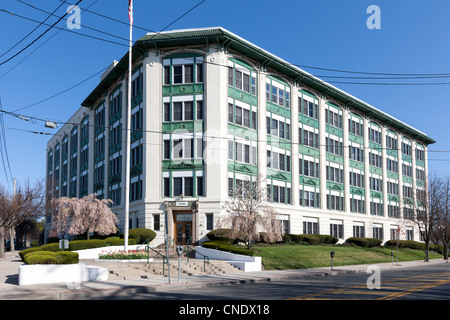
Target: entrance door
{"points": [[183, 227]]}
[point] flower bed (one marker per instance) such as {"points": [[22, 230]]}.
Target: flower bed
{"points": [[123, 255]]}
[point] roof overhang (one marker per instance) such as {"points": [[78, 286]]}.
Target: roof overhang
{"points": [[225, 39]]}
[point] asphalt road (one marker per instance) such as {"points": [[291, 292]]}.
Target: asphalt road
{"points": [[419, 283]]}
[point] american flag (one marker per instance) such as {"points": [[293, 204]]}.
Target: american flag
{"points": [[130, 10]]}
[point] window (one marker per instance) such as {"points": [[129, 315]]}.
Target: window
{"points": [[115, 103], [278, 93], [136, 155], [355, 127], [242, 152], [391, 165], [278, 161], [392, 188], [374, 135], [356, 179], [376, 184], [136, 190], [376, 208], [156, 222], [115, 165], [335, 202], [137, 83], [357, 205], [310, 227], [309, 198], [278, 128], [182, 111], [393, 211], [356, 153], [242, 116], [137, 118], [181, 148], [406, 149], [407, 170], [279, 194], [334, 146], [378, 232], [337, 230], [358, 231], [115, 133], [209, 221], [333, 118], [183, 186], [335, 174], [308, 108], [375, 160], [407, 192], [183, 70], [308, 138], [242, 78], [309, 168], [420, 154], [391, 142], [99, 173]]}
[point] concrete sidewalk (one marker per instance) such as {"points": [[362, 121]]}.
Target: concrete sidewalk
{"points": [[10, 290]]}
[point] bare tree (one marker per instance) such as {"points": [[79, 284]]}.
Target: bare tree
{"points": [[442, 227], [248, 214], [84, 215], [427, 207], [27, 203]]}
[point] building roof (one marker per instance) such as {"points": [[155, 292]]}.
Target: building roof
{"points": [[219, 36]]}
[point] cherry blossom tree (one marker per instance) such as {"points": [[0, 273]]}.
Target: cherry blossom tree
{"points": [[248, 214], [84, 215]]}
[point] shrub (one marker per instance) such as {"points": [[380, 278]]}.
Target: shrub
{"points": [[406, 244], [53, 240], [327, 239], [219, 235], [46, 247], [51, 257], [228, 247], [360, 242], [311, 239], [141, 235], [296, 238], [373, 242]]}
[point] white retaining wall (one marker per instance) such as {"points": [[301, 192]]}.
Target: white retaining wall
{"points": [[55, 273], [243, 262]]}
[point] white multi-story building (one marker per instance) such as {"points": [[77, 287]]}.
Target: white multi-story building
{"points": [[209, 109]]}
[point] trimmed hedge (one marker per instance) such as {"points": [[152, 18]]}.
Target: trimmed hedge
{"points": [[141, 235], [311, 239], [51, 257], [364, 242], [227, 247], [77, 245]]}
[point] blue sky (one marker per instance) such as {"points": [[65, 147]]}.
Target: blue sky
{"points": [[331, 34]]}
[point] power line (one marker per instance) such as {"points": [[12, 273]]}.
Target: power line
{"points": [[41, 45], [84, 25], [33, 29], [64, 91], [64, 29], [36, 39]]}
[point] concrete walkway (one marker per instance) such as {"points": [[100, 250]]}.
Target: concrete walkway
{"points": [[10, 290]]}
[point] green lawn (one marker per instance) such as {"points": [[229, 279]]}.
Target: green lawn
{"points": [[278, 257]]}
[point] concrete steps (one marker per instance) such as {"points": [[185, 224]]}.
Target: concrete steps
{"points": [[126, 271], [139, 270]]}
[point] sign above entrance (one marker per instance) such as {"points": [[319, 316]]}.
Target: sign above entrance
{"points": [[189, 204]]}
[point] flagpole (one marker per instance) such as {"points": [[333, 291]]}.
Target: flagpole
{"points": [[128, 131]]}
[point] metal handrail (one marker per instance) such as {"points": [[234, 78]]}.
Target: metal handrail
{"points": [[188, 248], [147, 247]]}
